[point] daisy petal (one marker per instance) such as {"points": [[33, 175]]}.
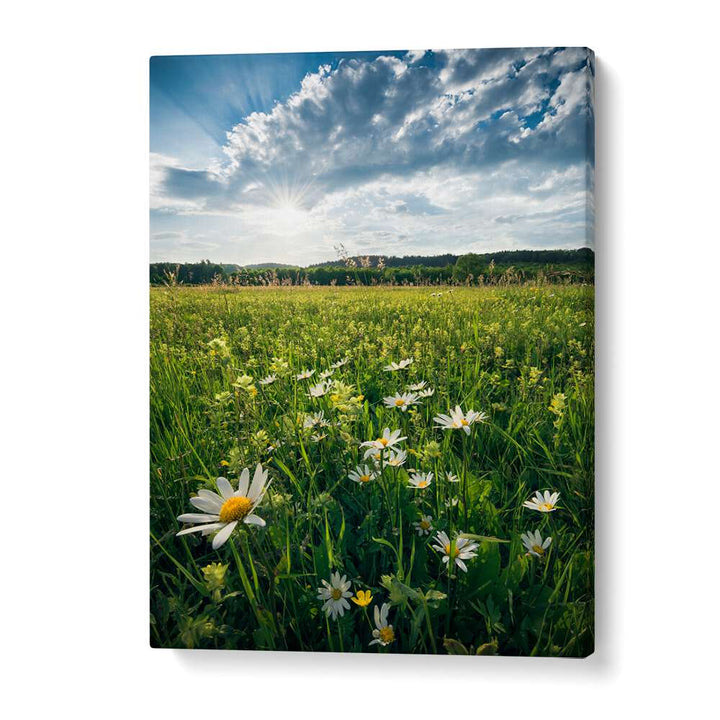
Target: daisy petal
{"points": [[223, 535], [197, 518], [224, 487], [243, 483], [201, 528]]}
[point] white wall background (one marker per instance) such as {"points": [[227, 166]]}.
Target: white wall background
{"points": [[74, 505]]}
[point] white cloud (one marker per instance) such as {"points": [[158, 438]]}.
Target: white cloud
{"points": [[391, 153]]}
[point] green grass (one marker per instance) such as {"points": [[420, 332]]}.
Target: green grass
{"points": [[506, 351]]}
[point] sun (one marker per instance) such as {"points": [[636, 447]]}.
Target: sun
{"points": [[288, 217]]}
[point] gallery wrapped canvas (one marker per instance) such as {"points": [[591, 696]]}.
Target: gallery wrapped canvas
{"points": [[372, 352]]}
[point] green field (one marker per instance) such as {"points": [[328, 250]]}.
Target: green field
{"points": [[522, 355]]}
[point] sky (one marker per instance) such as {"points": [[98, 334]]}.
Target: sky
{"points": [[289, 157]]}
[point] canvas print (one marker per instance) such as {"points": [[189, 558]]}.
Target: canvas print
{"points": [[372, 352]]}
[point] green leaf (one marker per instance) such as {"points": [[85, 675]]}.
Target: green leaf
{"points": [[488, 648], [454, 647], [482, 538]]}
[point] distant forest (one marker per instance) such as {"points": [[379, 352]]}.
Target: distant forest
{"points": [[505, 267]]}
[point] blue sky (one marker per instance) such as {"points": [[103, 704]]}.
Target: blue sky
{"points": [[258, 158]]}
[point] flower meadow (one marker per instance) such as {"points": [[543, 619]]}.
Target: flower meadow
{"points": [[384, 470]]}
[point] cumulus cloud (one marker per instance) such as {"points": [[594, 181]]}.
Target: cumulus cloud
{"points": [[478, 146]]}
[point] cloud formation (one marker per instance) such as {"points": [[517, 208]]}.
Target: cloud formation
{"points": [[428, 152]]}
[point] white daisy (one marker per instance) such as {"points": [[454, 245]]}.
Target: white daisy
{"points": [[362, 474], [334, 594], [417, 387], [401, 402], [386, 440], [419, 481], [269, 380], [451, 478], [325, 374], [223, 512], [424, 525], [451, 502], [383, 632], [458, 419], [317, 437], [428, 392], [396, 458], [460, 549], [534, 543], [320, 389], [311, 420], [339, 363], [305, 374], [543, 502], [393, 366]]}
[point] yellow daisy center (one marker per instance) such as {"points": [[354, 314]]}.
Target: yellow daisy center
{"points": [[336, 593], [236, 508], [423, 483], [464, 422], [387, 635], [364, 478], [399, 402], [538, 549], [455, 551], [424, 524], [383, 441], [547, 506]]}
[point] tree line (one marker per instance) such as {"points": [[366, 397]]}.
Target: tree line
{"points": [[506, 267]]}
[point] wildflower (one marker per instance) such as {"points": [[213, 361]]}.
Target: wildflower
{"points": [[362, 474], [343, 398], [325, 374], [386, 440], [451, 502], [396, 458], [393, 366], [451, 478], [424, 525], [317, 437], [432, 450], [383, 632], [363, 598], [269, 380], [223, 512], [543, 502], [458, 419], [459, 549], [417, 387], [339, 363], [305, 374], [420, 481], [402, 402], [278, 365], [428, 392], [219, 347], [244, 382], [320, 389], [311, 420], [534, 543], [334, 594], [557, 404], [214, 575]]}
